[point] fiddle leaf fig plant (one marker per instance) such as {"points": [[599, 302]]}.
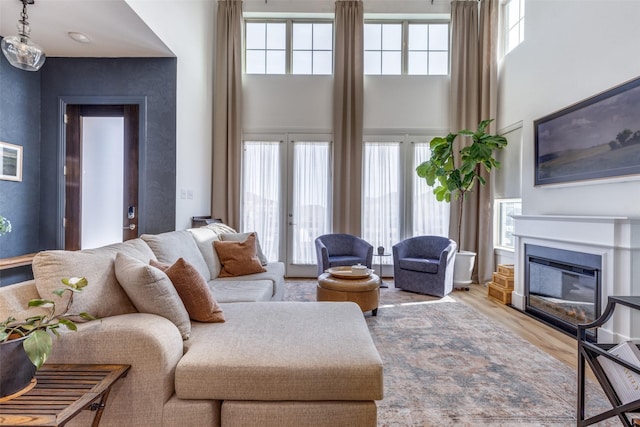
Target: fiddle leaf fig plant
{"points": [[452, 177], [38, 343]]}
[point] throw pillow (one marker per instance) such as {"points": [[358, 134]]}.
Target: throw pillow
{"points": [[193, 290], [238, 258], [151, 291], [241, 237]]}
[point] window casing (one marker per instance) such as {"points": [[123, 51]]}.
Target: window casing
{"points": [[288, 47]]}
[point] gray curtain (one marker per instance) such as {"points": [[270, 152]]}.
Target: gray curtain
{"points": [[348, 117], [474, 27], [227, 114]]}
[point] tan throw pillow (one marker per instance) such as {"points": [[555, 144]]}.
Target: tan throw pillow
{"points": [[193, 290], [241, 237], [238, 258], [151, 291]]}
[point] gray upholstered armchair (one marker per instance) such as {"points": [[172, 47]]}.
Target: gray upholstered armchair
{"points": [[337, 249], [424, 264]]}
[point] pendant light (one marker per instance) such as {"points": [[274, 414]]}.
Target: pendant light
{"points": [[19, 50]]}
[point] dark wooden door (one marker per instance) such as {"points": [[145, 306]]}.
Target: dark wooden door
{"points": [[73, 168]]}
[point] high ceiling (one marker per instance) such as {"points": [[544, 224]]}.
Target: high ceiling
{"points": [[113, 28]]}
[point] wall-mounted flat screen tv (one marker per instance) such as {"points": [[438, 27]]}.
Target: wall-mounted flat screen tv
{"points": [[594, 139]]}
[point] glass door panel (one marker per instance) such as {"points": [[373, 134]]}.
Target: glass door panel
{"points": [[382, 187], [261, 195], [309, 214]]}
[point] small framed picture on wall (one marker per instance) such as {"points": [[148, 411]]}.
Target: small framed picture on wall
{"points": [[10, 161]]}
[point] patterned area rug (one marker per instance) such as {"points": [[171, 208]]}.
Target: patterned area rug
{"points": [[445, 364]]}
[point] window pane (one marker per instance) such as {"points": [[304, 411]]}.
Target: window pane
{"points": [[255, 37], [438, 63], [392, 37], [513, 13], [372, 62], [513, 39], [372, 36], [276, 35], [418, 63], [322, 62], [302, 36], [261, 198], [255, 62], [276, 62], [391, 63], [301, 62], [311, 191], [323, 36], [430, 217], [438, 37], [505, 210], [381, 194], [418, 36]]}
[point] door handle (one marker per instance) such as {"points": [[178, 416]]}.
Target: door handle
{"points": [[130, 227]]}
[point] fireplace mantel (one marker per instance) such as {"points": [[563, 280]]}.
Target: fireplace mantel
{"points": [[615, 239]]}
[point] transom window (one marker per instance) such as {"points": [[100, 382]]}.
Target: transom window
{"points": [[266, 47], [295, 47], [514, 24], [428, 49], [383, 48], [406, 48]]}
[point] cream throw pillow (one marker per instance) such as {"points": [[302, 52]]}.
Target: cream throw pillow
{"points": [[152, 292]]}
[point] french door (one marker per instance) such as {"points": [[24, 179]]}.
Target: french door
{"points": [[287, 196]]}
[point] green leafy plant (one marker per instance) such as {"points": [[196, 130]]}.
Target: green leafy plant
{"points": [[453, 178], [5, 225], [38, 345]]}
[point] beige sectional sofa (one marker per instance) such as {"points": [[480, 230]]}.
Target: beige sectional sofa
{"points": [[271, 363]]}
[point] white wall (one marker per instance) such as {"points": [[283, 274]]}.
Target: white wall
{"points": [[187, 28], [572, 50]]}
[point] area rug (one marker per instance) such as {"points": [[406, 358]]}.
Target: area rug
{"points": [[445, 364]]}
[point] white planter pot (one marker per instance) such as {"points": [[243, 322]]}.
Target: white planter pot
{"points": [[463, 268]]}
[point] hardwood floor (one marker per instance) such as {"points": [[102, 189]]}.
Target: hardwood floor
{"points": [[557, 344]]}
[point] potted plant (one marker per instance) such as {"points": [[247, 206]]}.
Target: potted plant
{"points": [[453, 174], [26, 345], [5, 225]]}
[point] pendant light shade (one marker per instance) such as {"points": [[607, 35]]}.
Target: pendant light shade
{"points": [[19, 50]]}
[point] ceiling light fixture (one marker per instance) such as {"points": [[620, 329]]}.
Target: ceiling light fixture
{"points": [[79, 37], [19, 50]]}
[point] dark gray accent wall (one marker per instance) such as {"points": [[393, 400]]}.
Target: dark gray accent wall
{"points": [[19, 201], [153, 78]]}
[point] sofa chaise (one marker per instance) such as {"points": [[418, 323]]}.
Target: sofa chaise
{"points": [[270, 363]]}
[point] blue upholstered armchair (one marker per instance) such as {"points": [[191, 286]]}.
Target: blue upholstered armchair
{"points": [[424, 264], [335, 250]]}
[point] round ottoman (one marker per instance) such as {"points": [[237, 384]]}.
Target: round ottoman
{"points": [[363, 291]]}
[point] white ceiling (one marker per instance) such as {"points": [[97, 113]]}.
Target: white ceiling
{"points": [[114, 29]]}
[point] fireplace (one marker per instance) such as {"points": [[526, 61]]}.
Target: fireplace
{"points": [[614, 240], [562, 287]]}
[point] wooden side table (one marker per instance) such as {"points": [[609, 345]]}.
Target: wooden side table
{"points": [[61, 393]]}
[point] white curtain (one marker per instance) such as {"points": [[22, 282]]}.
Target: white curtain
{"points": [[381, 182], [311, 201], [430, 217], [261, 195]]}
